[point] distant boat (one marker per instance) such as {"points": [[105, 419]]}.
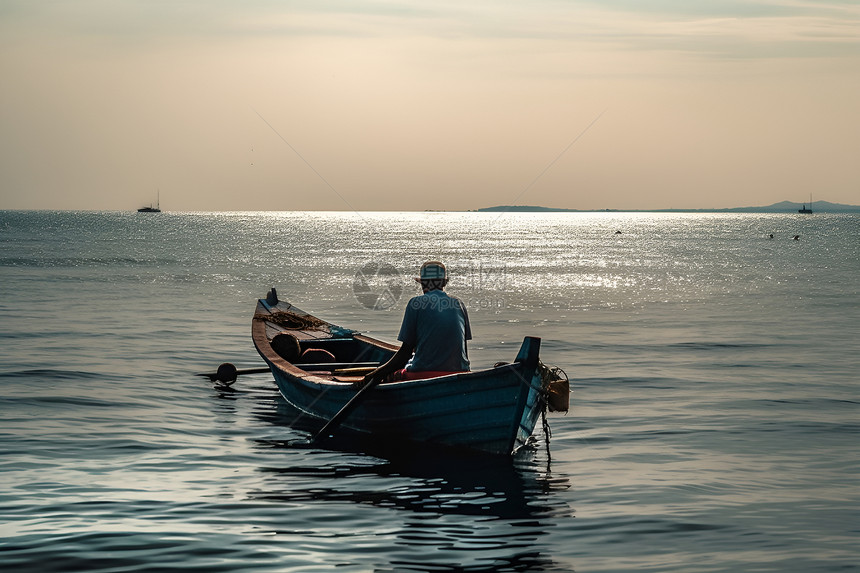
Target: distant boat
{"points": [[151, 209], [804, 209]]}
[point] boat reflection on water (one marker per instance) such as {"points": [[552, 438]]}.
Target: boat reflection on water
{"points": [[451, 509]]}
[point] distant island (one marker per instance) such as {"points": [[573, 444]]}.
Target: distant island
{"points": [[781, 207]]}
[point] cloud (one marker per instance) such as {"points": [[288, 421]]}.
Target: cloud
{"points": [[728, 28]]}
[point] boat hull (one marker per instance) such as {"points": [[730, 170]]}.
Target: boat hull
{"points": [[492, 410]]}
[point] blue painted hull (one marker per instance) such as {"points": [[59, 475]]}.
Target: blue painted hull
{"points": [[492, 410]]}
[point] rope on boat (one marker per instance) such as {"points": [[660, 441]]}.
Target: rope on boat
{"points": [[555, 387], [554, 396], [291, 320], [547, 432]]}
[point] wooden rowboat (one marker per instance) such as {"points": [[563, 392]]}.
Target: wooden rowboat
{"points": [[492, 410]]}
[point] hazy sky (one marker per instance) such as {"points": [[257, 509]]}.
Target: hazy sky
{"points": [[406, 105]]}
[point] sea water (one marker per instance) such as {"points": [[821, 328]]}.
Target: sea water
{"points": [[715, 419]]}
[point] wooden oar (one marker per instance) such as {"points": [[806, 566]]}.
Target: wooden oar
{"points": [[227, 373], [361, 371], [345, 411]]}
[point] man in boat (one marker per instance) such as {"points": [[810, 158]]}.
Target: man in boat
{"points": [[433, 334]]}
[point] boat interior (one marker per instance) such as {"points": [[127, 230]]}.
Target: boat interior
{"points": [[329, 354]]}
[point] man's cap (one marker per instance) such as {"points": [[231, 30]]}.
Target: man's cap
{"points": [[433, 270]]}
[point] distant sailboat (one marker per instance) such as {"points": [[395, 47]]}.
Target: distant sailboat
{"points": [[151, 209], [804, 209]]}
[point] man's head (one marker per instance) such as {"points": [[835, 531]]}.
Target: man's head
{"points": [[433, 276]]}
